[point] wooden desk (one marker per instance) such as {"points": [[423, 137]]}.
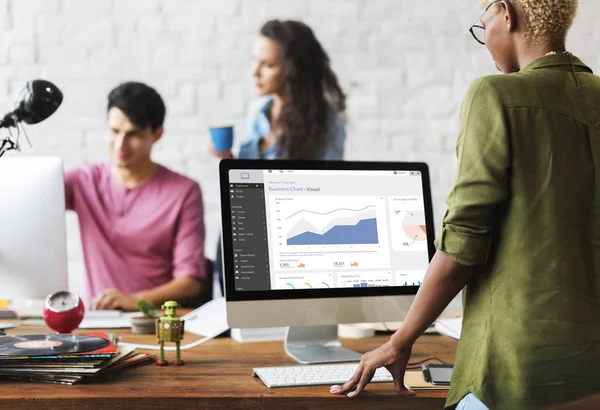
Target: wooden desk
{"points": [[217, 375]]}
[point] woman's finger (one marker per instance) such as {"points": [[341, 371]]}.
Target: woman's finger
{"points": [[349, 385], [365, 378]]}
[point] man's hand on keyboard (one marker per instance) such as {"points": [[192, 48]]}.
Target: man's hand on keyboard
{"points": [[112, 299], [387, 356]]}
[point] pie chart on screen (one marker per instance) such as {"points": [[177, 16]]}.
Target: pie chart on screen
{"points": [[414, 226]]}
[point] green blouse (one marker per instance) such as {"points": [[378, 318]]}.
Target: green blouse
{"points": [[526, 211]]}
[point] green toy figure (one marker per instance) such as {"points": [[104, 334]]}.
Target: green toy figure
{"points": [[169, 328]]}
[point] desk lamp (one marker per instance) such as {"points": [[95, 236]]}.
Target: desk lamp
{"points": [[38, 100]]}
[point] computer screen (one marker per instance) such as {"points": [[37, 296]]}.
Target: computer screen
{"points": [[327, 232], [33, 249]]}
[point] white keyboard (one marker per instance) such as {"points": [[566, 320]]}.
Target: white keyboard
{"points": [[289, 376]]}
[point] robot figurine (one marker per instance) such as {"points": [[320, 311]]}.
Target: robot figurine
{"points": [[169, 328]]}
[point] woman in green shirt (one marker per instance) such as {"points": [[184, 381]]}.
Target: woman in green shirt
{"points": [[522, 231]]}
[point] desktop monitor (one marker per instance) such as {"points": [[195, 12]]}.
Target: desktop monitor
{"points": [[313, 244], [33, 255]]}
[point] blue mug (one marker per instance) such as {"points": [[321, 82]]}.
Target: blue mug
{"points": [[222, 138]]}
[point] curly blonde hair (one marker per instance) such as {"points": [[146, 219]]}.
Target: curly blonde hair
{"points": [[546, 20]]}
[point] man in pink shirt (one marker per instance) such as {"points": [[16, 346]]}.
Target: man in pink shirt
{"points": [[142, 225]]}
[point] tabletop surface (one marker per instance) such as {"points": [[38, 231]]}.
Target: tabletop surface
{"points": [[216, 374]]}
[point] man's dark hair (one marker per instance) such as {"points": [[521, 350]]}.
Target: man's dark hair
{"points": [[141, 103]]}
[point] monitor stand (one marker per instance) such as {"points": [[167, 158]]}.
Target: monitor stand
{"points": [[317, 344]]}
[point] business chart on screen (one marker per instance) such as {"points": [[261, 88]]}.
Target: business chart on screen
{"points": [[330, 229]]}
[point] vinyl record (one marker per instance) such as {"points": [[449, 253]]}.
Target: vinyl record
{"points": [[49, 345]]}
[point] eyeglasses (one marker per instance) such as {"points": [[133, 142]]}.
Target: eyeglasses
{"points": [[477, 30]]}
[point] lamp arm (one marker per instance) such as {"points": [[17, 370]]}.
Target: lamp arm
{"points": [[7, 145]]}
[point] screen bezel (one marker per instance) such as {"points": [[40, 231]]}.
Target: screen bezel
{"points": [[231, 294]]}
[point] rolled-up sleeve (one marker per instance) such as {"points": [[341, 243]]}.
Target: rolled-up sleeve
{"points": [[188, 253], [482, 180]]}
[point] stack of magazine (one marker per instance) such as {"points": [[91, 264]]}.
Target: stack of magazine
{"points": [[65, 358]]}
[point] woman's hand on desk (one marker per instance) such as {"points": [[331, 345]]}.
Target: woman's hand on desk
{"points": [[112, 299], [386, 355], [444, 279]]}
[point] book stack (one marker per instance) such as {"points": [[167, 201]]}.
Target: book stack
{"points": [[65, 359]]}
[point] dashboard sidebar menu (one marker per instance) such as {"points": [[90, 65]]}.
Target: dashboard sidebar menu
{"points": [[249, 233]]}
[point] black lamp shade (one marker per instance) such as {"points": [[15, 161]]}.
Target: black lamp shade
{"points": [[38, 100]]}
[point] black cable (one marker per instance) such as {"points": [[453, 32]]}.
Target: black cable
{"points": [[416, 365]]}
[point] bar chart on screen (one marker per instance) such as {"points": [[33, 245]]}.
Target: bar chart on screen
{"points": [[364, 279], [409, 277]]}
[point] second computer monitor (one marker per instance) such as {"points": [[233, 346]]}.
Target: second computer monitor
{"points": [[33, 250]]}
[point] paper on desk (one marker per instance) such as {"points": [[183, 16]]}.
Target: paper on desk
{"points": [[209, 320], [450, 327], [107, 319]]}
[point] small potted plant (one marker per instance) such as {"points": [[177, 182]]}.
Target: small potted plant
{"points": [[146, 323]]}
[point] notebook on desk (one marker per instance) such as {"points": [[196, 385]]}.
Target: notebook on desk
{"points": [[414, 380]]}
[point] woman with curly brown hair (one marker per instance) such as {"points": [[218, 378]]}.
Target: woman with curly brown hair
{"points": [[522, 231], [299, 113]]}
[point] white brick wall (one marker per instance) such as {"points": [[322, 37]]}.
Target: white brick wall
{"points": [[404, 64]]}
